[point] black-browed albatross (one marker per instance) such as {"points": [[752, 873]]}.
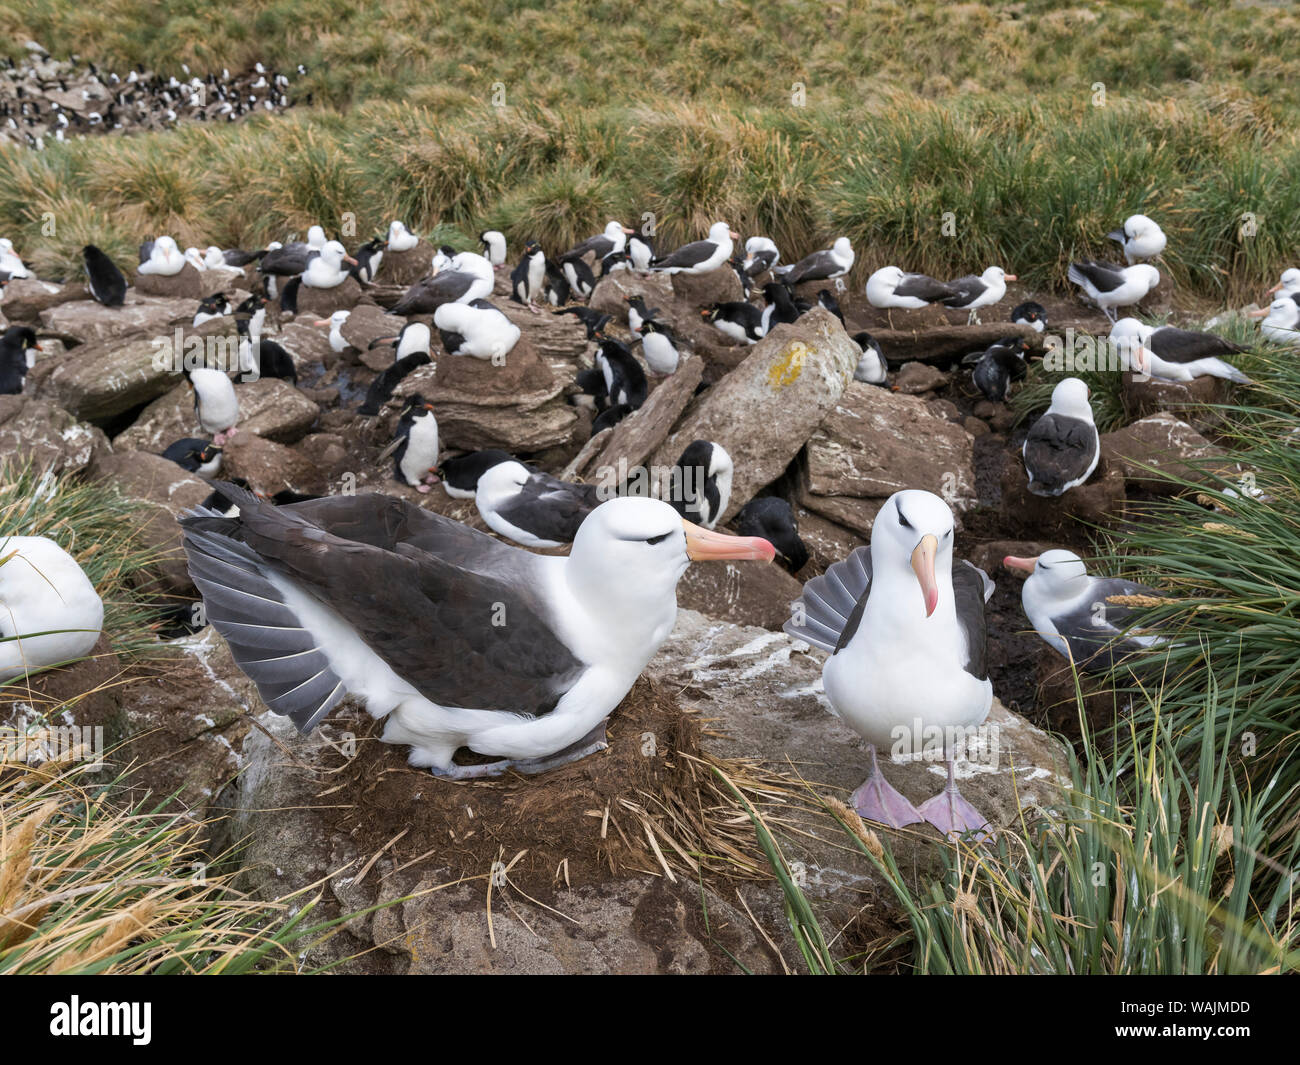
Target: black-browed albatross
{"points": [[456, 639]]}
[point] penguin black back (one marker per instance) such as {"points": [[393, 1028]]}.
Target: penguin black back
{"points": [[107, 283]]}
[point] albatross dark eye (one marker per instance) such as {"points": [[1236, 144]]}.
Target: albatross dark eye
{"points": [[903, 521], [657, 539]]}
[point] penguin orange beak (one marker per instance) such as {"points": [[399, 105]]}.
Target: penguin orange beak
{"points": [[705, 545], [923, 567], [1024, 565]]}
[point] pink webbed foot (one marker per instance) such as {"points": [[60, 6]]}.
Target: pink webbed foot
{"points": [[423, 488], [952, 815], [877, 800]]}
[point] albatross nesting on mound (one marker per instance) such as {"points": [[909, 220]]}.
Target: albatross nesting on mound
{"points": [[456, 639], [905, 626]]}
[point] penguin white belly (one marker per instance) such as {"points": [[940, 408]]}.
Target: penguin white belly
{"points": [[421, 453]]}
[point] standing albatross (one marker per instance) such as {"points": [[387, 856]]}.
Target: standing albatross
{"points": [[456, 639], [905, 627]]}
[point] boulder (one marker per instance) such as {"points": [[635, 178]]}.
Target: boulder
{"points": [[367, 323], [1099, 501], [44, 434], [744, 593], [875, 443], [26, 297], [517, 406], [573, 891], [611, 292], [270, 467], [406, 267], [322, 302], [827, 541], [163, 490], [694, 291], [308, 344], [554, 336], [188, 284], [86, 320], [943, 345], [916, 377], [269, 407], [1193, 400], [633, 440], [101, 380], [764, 410], [1162, 444]]}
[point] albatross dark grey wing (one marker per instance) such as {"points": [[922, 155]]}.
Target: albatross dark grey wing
{"points": [[971, 589], [1104, 277], [921, 287], [430, 293], [815, 267], [829, 610], [1187, 345], [1101, 633], [1059, 450], [471, 633], [687, 255], [549, 508]]}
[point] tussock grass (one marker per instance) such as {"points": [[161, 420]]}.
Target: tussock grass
{"points": [[1153, 872], [1030, 187]]}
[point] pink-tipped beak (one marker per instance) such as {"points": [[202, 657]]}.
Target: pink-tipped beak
{"points": [[1275, 288], [923, 567], [1261, 313], [1009, 277], [349, 259], [321, 321], [705, 545], [1024, 565], [629, 232], [735, 235]]}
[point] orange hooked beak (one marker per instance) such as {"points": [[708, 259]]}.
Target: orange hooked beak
{"points": [[629, 232], [1009, 277], [1275, 288], [705, 545], [923, 567], [321, 321], [735, 235], [349, 259], [1261, 313], [1024, 565]]}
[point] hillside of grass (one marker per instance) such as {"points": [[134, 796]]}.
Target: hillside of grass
{"points": [[913, 115]]}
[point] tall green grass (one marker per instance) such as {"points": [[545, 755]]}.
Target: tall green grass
{"points": [[1029, 186], [1143, 866]]}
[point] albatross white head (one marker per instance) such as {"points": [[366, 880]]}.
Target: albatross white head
{"points": [[316, 237], [911, 554], [400, 238], [1055, 578], [629, 555], [1070, 398]]}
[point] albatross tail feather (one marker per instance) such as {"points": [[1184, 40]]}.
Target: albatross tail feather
{"points": [[266, 639], [821, 613]]}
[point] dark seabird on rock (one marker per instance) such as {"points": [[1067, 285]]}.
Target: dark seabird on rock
{"points": [[637, 312], [106, 282], [872, 368], [736, 319], [16, 358], [197, 456], [415, 445], [594, 321], [454, 638], [1062, 447], [772, 518], [700, 483], [997, 366], [468, 277], [1031, 314], [614, 238], [908, 670]]}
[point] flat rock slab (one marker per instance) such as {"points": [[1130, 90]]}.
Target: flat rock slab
{"points": [[188, 284], [744, 593], [369, 322], [322, 302], [89, 321], [163, 490], [945, 344], [1163, 444], [26, 297], [1099, 501], [406, 267], [46, 435], [764, 410], [1192, 401], [269, 407], [100, 380], [874, 443]]}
